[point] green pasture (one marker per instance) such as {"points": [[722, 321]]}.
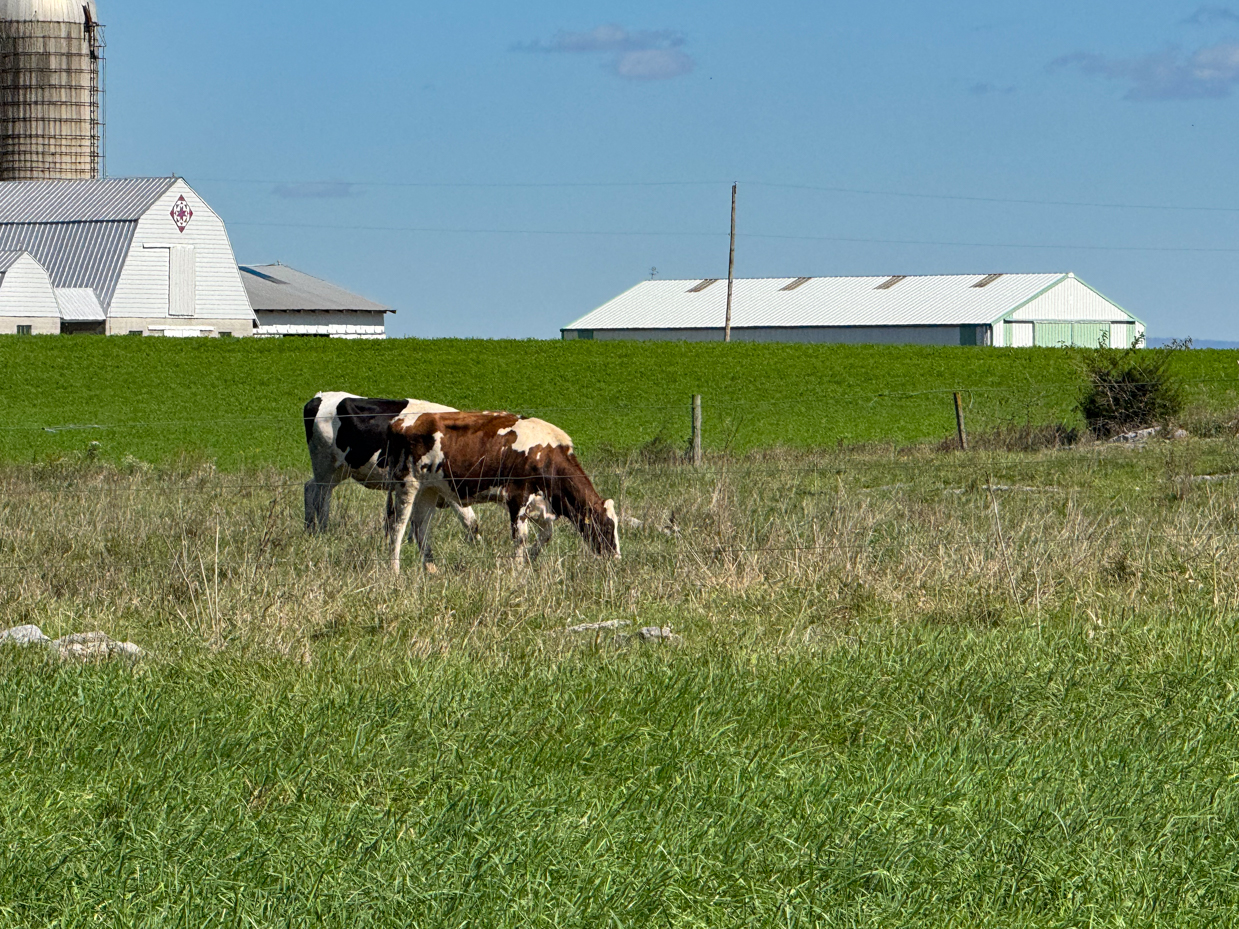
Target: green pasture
{"points": [[238, 402]]}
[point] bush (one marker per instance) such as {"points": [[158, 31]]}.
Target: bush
{"points": [[1130, 388]]}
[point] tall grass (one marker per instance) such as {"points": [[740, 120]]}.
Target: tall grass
{"points": [[914, 689]]}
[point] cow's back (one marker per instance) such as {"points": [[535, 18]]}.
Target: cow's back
{"points": [[352, 431]]}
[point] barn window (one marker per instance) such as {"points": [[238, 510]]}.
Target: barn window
{"points": [[987, 280], [25, 330], [225, 335], [703, 285], [891, 282], [796, 283], [134, 332], [585, 333]]}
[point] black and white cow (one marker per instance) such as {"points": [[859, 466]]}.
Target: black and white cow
{"points": [[348, 436]]}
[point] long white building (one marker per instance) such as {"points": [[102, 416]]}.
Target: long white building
{"points": [[1016, 310], [143, 256]]}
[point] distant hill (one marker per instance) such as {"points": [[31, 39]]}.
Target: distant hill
{"points": [[1156, 341]]}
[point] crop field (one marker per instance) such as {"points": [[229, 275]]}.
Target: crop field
{"points": [[909, 687], [237, 403]]}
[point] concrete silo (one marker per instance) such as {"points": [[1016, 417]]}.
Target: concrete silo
{"points": [[51, 90]]}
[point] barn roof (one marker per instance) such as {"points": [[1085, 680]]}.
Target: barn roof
{"points": [[899, 300], [79, 230], [281, 288], [79, 304]]}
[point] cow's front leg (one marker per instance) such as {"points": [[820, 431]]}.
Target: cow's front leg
{"points": [[520, 524], [424, 506], [537, 511], [468, 520], [400, 501]]}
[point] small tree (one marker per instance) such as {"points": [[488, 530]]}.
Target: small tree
{"points": [[1130, 388]]}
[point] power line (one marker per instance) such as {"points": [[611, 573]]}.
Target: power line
{"points": [[440, 230], [864, 191]]}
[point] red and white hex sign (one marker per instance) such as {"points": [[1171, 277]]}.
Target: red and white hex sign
{"points": [[181, 214]]}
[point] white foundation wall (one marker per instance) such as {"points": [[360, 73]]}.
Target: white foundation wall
{"points": [[26, 291], [142, 292], [333, 324], [1071, 300]]}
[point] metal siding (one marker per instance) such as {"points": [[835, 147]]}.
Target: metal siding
{"points": [[1071, 300], [182, 281], [1122, 335], [1088, 334], [81, 201], [941, 300], [1052, 334], [847, 335], [1019, 335]]}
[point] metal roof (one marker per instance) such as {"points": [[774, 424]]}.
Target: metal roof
{"points": [[110, 199], [48, 11], [937, 300], [89, 254], [7, 259], [79, 230], [279, 287], [79, 304]]}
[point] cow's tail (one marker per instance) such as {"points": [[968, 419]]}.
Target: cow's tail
{"points": [[311, 413]]}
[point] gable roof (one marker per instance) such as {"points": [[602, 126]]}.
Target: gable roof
{"points": [[931, 300], [279, 287], [80, 231], [79, 304], [8, 259]]}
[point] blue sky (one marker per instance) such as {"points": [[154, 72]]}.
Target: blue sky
{"points": [[497, 169]]}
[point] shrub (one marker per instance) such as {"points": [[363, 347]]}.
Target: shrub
{"points": [[1130, 388]]}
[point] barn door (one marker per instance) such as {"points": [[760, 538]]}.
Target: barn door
{"points": [[182, 281], [1019, 334]]}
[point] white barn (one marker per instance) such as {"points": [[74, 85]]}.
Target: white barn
{"points": [[139, 256], [960, 309]]}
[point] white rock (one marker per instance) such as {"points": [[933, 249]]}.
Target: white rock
{"points": [[95, 646], [659, 634], [609, 626], [23, 635]]}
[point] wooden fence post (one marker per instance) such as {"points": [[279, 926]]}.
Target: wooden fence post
{"points": [[959, 423], [696, 446]]}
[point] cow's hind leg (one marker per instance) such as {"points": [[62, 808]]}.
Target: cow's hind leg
{"points": [[318, 501]]}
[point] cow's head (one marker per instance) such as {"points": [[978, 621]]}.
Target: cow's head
{"points": [[600, 527]]}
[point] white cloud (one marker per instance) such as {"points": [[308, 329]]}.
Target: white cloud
{"points": [[1211, 16], [641, 54], [655, 64], [1209, 72]]}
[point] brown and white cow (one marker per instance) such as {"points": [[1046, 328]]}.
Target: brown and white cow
{"points": [[462, 458], [348, 436]]}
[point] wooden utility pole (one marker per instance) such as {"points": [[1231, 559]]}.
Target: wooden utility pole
{"points": [[959, 423], [731, 267], [696, 445]]}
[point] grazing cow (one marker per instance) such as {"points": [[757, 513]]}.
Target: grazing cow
{"points": [[526, 464], [348, 436]]}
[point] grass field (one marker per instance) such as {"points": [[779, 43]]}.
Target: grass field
{"points": [[914, 689], [238, 403]]}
